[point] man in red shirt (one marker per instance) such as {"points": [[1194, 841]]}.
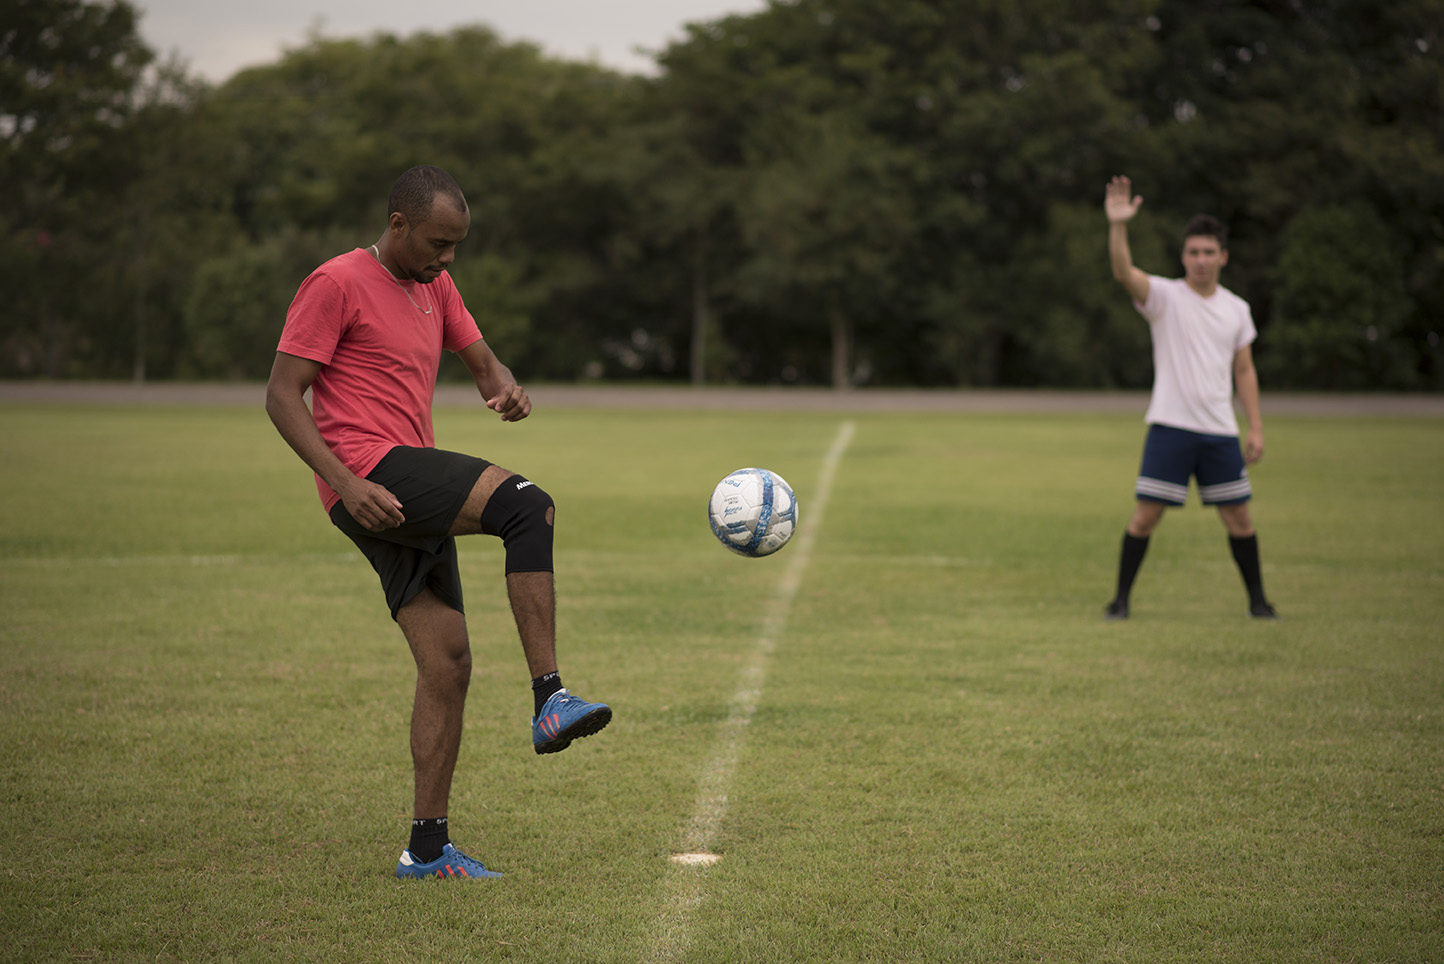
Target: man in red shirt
{"points": [[365, 335]]}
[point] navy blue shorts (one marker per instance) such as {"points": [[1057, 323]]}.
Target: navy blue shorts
{"points": [[1172, 455], [432, 485]]}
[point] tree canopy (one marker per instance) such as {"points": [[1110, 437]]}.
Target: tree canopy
{"points": [[844, 192]]}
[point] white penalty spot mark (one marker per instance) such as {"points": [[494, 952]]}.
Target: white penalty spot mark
{"points": [[696, 859]]}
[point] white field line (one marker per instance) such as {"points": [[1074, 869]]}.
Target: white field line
{"points": [[686, 877]]}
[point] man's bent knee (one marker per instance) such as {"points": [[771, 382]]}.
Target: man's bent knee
{"points": [[468, 520], [523, 516]]}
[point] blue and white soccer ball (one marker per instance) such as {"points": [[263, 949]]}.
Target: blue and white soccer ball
{"points": [[753, 512]]}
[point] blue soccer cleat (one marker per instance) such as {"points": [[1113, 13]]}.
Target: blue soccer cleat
{"points": [[565, 718], [451, 863]]}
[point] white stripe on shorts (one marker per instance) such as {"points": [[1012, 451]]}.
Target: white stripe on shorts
{"points": [[1159, 489], [1226, 492]]}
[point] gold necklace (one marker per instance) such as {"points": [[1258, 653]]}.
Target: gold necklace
{"points": [[427, 310]]}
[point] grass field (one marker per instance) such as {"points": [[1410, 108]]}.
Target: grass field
{"points": [[951, 756]]}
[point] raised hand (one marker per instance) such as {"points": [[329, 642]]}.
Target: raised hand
{"points": [[1118, 201], [511, 402]]}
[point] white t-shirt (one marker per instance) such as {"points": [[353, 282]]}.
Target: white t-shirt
{"points": [[1194, 341]]}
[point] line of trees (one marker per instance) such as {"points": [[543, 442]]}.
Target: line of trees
{"points": [[891, 192]]}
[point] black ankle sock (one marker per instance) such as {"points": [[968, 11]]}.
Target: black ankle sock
{"points": [[1129, 559], [1245, 553], [427, 838], [542, 688]]}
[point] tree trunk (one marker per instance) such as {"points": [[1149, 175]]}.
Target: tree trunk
{"points": [[140, 300], [701, 315], [50, 335], [841, 349]]}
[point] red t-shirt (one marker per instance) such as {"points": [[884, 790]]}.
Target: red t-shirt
{"points": [[379, 352]]}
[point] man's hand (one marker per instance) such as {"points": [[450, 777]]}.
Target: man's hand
{"points": [[511, 403], [495, 382], [1121, 206], [371, 505], [1253, 446], [1118, 201]]}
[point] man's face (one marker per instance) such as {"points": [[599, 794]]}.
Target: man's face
{"points": [[1203, 260], [426, 249]]}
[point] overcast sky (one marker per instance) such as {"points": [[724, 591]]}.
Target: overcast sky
{"points": [[218, 37]]}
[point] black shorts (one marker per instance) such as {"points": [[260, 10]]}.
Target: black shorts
{"points": [[432, 486]]}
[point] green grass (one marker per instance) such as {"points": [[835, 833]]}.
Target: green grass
{"points": [[203, 704]]}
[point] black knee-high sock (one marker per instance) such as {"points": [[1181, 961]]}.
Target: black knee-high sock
{"points": [[1129, 559], [1245, 553], [428, 837]]}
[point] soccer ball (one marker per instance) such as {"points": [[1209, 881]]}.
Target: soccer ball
{"points": [[753, 512]]}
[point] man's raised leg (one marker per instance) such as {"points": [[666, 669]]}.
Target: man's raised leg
{"points": [[505, 504]]}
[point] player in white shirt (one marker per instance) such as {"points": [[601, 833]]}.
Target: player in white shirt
{"points": [[1202, 334]]}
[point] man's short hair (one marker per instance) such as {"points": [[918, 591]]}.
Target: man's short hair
{"points": [[415, 191], [1205, 225]]}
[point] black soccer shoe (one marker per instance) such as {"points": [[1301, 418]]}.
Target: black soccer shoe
{"points": [[1117, 609], [1262, 610]]}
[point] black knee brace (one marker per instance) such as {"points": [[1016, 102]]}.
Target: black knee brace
{"points": [[521, 513]]}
